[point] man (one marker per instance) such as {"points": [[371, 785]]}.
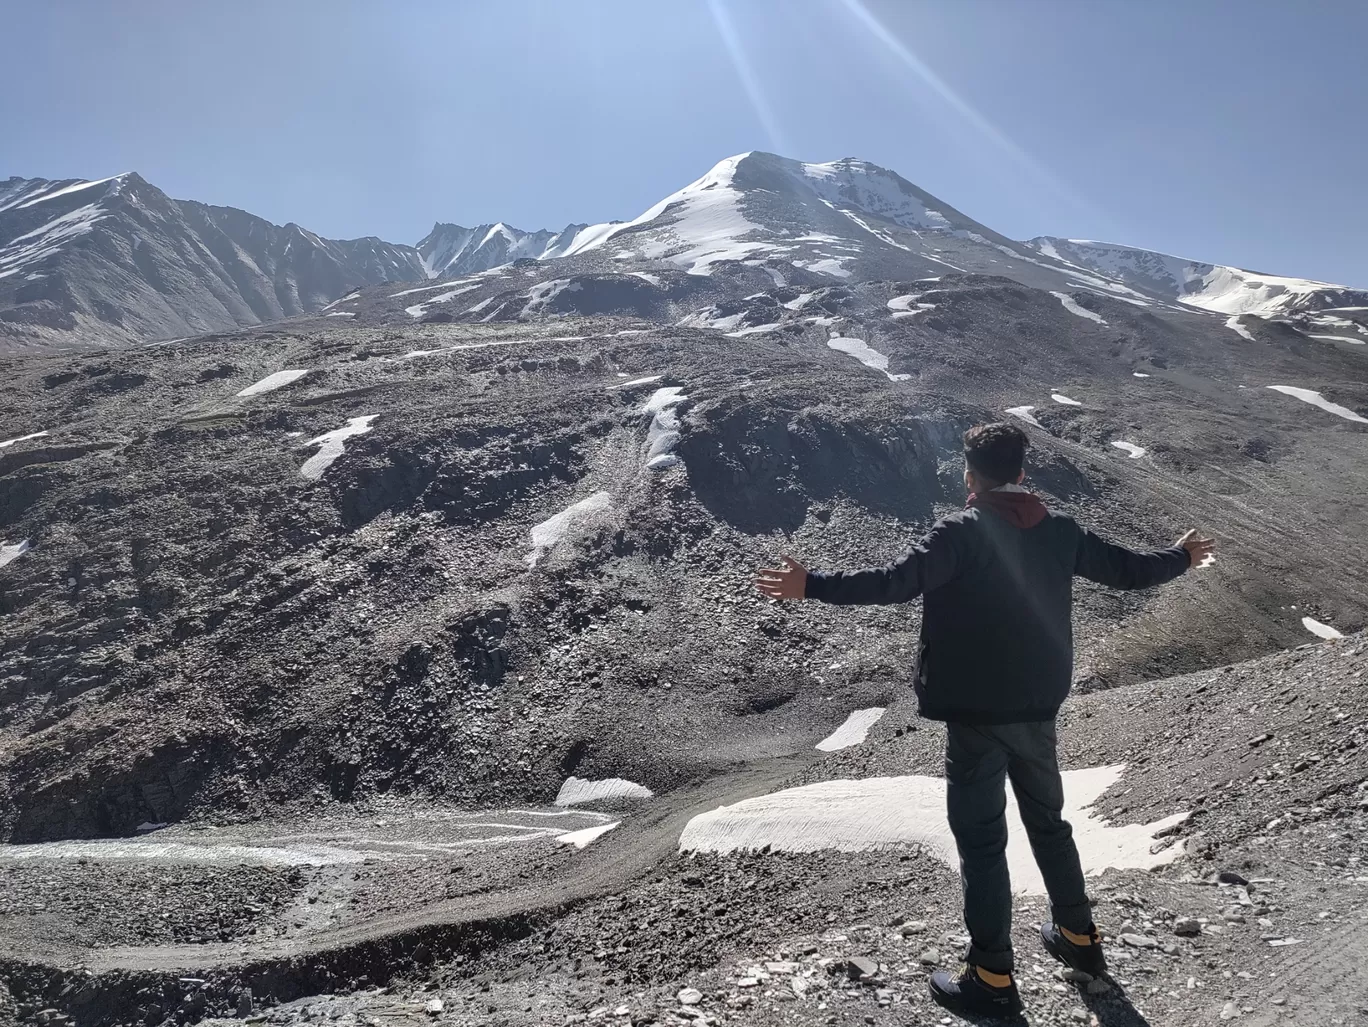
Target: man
{"points": [[995, 662]]}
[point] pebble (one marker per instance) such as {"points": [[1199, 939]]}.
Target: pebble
{"points": [[1079, 1013], [1229, 1011], [930, 957], [689, 996], [1077, 976], [1187, 926], [433, 1007], [859, 966], [1139, 941], [912, 927]]}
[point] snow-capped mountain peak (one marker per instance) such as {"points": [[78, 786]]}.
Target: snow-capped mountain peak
{"points": [[450, 250], [1215, 287]]}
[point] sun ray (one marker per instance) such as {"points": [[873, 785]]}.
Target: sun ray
{"points": [[749, 81], [962, 106]]}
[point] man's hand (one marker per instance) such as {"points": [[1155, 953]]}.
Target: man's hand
{"points": [[1201, 551], [788, 583]]}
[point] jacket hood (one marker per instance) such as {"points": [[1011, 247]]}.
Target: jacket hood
{"points": [[1014, 504]]}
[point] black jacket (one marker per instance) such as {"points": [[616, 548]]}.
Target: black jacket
{"points": [[997, 633]]}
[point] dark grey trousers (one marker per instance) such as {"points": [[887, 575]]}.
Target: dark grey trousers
{"points": [[977, 759]]}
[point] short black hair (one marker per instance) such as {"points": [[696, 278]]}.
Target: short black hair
{"points": [[996, 451]]}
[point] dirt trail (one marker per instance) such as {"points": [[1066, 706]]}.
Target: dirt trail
{"points": [[645, 838]]}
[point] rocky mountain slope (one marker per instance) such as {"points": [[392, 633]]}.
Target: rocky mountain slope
{"points": [[114, 261], [1214, 287], [306, 629]]}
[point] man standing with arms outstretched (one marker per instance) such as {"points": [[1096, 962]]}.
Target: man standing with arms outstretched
{"points": [[995, 663]]}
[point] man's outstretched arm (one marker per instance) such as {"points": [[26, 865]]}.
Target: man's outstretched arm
{"points": [[926, 566], [1110, 564]]}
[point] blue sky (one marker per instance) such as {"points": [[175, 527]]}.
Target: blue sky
{"points": [[1221, 130]]}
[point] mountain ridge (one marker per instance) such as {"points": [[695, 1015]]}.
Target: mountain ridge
{"points": [[117, 261]]}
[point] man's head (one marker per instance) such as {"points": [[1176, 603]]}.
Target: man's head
{"points": [[994, 454]]}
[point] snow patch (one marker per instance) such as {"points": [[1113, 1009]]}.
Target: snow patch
{"points": [[1135, 452], [881, 812], [419, 309], [577, 790], [649, 279], [1059, 397], [865, 354], [1320, 630], [1071, 305], [826, 266], [333, 444], [663, 434], [341, 313], [1139, 374], [754, 330], [1024, 413], [1316, 399], [1338, 338], [8, 554], [579, 839], [22, 438], [539, 296], [1233, 323], [637, 381], [273, 381], [556, 529], [853, 731], [345, 299]]}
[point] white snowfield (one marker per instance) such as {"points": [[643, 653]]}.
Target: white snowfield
{"points": [[663, 434], [1071, 305], [704, 220], [883, 812], [1320, 630], [854, 731], [865, 354], [1316, 399], [1233, 323], [341, 313], [1339, 338], [274, 381], [1132, 450], [637, 381], [1024, 413], [8, 554], [22, 438], [1059, 397], [333, 444], [1139, 374], [577, 790], [1215, 287], [558, 528]]}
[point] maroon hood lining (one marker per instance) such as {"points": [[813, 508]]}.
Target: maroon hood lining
{"points": [[1020, 509]]}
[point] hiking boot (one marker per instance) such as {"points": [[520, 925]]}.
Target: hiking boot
{"points": [[1081, 951], [968, 994]]}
